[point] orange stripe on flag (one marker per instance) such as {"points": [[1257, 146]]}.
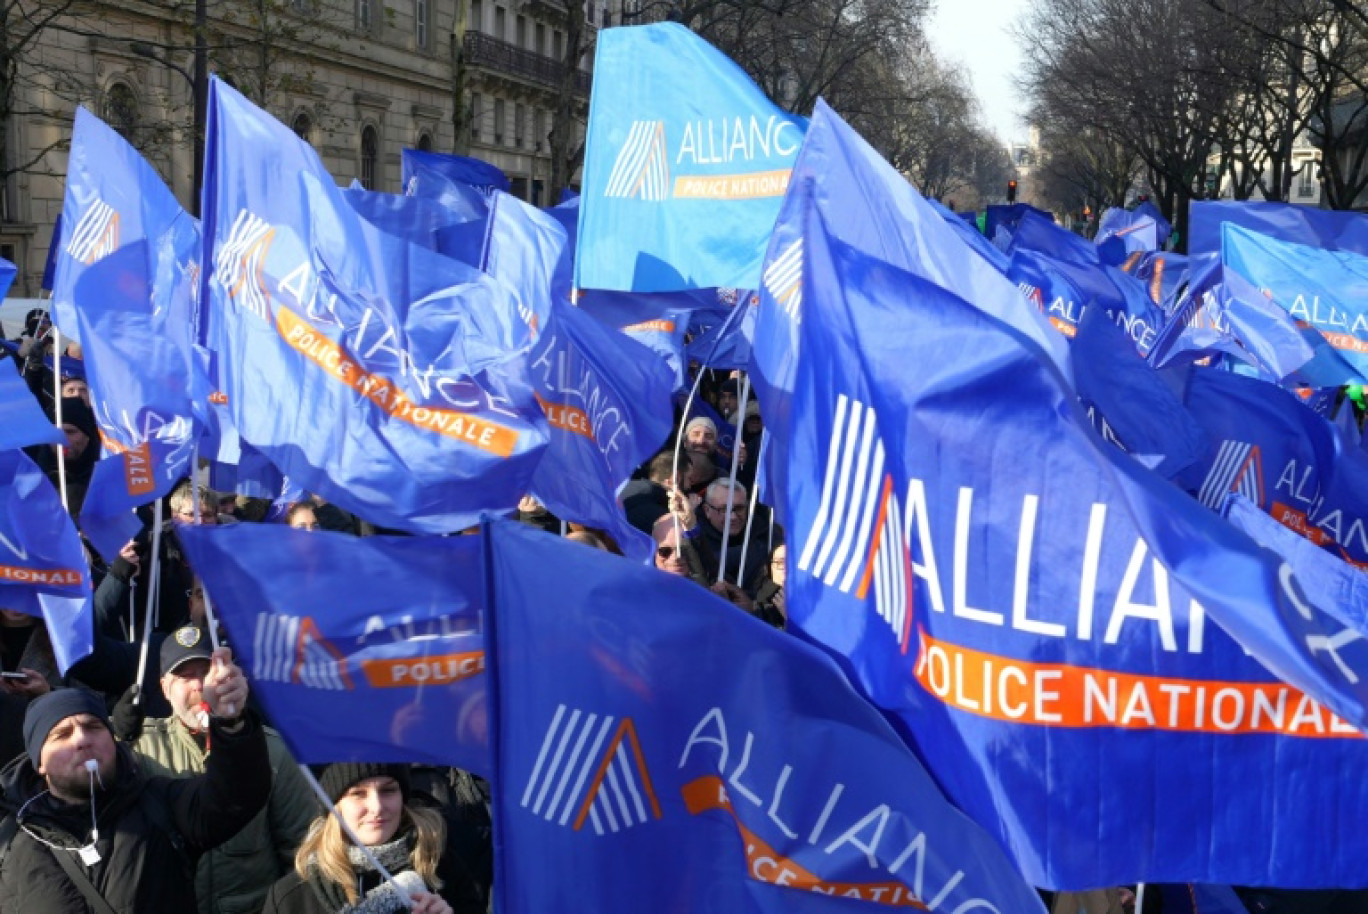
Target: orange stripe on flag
{"points": [[878, 537], [323, 352]]}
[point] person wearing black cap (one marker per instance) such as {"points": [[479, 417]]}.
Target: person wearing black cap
{"points": [[331, 874], [235, 876], [80, 454], [84, 828]]}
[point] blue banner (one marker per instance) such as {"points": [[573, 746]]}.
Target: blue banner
{"points": [[686, 162], [50, 263], [43, 569], [640, 773], [1123, 297], [1326, 290], [425, 222], [1320, 228], [1137, 233], [391, 381], [872, 207], [1006, 218], [22, 421], [1051, 623], [361, 649], [659, 322], [130, 288], [462, 169], [606, 397]]}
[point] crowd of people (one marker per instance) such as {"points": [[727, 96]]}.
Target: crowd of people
{"points": [[151, 781]]}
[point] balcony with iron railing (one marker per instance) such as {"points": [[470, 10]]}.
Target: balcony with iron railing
{"points": [[483, 51]]}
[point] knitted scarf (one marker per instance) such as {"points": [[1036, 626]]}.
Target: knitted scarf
{"points": [[383, 899]]}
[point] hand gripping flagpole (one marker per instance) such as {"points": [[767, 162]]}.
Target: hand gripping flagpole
{"points": [[351, 836], [209, 621]]}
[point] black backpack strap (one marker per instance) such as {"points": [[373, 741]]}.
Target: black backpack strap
{"points": [[81, 879]]}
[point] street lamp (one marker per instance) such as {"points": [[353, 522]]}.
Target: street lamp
{"points": [[199, 91]]}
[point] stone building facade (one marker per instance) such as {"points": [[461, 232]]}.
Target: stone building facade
{"points": [[359, 79]]}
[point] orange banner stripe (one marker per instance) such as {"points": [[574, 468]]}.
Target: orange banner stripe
{"points": [[1060, 695], [406, 672], [323, 352]]}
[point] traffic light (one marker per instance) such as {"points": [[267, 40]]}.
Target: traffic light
{"points": [[1011, 191], [1087, 213]]}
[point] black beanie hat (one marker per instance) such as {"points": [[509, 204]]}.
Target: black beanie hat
{"points": [[75, 412], [338, 778], [47, 711]]}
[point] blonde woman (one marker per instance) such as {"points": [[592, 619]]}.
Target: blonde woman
{"points": [[332, 876]]}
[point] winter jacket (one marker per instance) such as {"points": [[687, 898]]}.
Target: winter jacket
{"points": [[234, 877], [141, 869]]}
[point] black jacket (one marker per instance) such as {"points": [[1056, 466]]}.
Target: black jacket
{"points": [[292, 895], [140, 869]]}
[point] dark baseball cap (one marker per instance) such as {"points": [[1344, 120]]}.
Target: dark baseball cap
{"points": [[189, 642]]}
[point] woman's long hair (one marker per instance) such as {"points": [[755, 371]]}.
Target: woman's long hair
{"points": [[324, 849]]}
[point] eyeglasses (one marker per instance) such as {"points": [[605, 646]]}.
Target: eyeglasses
{"points": [[665, 552], [192, 594], [780, 564], [738, 510]]}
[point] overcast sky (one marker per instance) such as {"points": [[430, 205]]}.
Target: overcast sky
{"points": [[976, 32]]}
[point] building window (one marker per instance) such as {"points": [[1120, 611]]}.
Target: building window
{"points": [[556, 44], [476, 115], [607, 18], [370, 156], [425, 142], [364, 17], [302, 126], [498, 120], [476, 15], [538, 129], [541, 40], [500, 23], [420, 23], [520, 38], [519, 116], [1306, 181], [121, 110]]}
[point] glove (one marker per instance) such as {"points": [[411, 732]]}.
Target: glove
{"points": [[127, 716]]}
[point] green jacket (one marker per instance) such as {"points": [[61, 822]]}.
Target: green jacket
{"points": [[234, 877]]}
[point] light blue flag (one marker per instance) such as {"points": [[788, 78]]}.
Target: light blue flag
{"points": [[872, 207], [22, 421], [658, 750], [1052, 624], [1319, 228], [43, 570], [361, 649], [967, 228], [128, 275], [658, 321], [606, 397], [391, 381], [1136, 232], [423, 221], [1326, 290], [463, 169], [686, 162]]}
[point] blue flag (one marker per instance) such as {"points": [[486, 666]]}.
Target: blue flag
{"points": [[422, 221], [1163, 228], [1123, 297], [872, 207], [659, 322], [607, 400], [686, 162], [462, 169], [389, 380], [50, 264], [43, 569], [1006, 218], [640, 773], [22, 421], [966, 228], [1339, 586], [1137, 233], [1164, 275], [727, 343], [1326, 290], [1033, 607], [361, 649], [1320, 228], [606, 397], [131, 298]]}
